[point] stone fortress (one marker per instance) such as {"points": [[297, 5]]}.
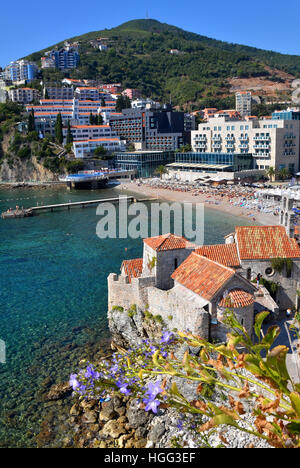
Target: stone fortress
{"points": [[190, 287]]}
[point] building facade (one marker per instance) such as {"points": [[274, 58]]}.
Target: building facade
{"points": [[272, 142], [21, 71], [24, 95], [243, 101], [143, 162], [154, 130]]}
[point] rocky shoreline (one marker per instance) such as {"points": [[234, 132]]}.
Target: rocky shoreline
{"points": [[122, 423]]}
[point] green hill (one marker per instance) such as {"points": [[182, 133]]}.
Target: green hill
{"points": [[139, 56]]}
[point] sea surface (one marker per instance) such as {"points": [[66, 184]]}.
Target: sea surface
{"points": [[53, 300]]}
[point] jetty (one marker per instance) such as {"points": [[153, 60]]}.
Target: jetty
{"points": [[68, 205]]}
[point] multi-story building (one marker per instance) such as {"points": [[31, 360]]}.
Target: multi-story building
{"points": [[90, 132], [132, 93], [243, 100], [59, 92], [65, 58], [48, 62], [143, 163], [155, 130], [24, 95], [145, 104], [21, 71], [86, 148], [272, 143]]}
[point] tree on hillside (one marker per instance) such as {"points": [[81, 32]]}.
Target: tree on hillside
{"points": [[31, 122], [58, 129], [123, 102], [69, 139], [99, 119]]}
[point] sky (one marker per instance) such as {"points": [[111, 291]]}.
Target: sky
{"points": [[29, 26]]}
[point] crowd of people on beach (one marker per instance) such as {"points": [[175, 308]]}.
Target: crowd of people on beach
{"points": [[243, 196]]}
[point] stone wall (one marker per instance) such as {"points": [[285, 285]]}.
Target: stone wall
{"points": [[286, 295]]}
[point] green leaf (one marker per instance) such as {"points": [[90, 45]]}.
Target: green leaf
{"points": [[259, 321], [294, 427], [224, 419], [295, 400], [276, 360], [271, 335]]}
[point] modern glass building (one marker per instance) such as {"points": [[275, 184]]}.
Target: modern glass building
{"points": [[288, 114], [144, 162], [212, 162]]}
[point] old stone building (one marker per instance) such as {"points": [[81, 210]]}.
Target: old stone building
{"points": [[191, 287]]}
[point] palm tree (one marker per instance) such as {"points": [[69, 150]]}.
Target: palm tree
{"points": [[271, 173], [161, 170]]}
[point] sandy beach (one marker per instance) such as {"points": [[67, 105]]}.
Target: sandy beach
{"points": [[211, 198]]}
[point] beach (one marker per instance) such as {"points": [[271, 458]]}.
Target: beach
{"points": [[236, 201]]}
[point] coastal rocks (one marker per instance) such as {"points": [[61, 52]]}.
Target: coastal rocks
{"points": [[58, 392], [128, 331], [113, 429]]}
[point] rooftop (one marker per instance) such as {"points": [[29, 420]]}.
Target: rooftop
{"points": [[133, 268], [237, 298], [168, 242], [262, 242], [202, 275], [225, 254]]}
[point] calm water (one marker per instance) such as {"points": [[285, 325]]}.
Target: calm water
{"points": [[53, 297]]}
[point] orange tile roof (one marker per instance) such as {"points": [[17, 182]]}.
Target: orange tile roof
{"points": [[202, 276], [225, 254], [168, 242], [133, 268], [237, 298], [264, 242]]}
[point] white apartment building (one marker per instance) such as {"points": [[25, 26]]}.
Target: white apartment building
{"points": [[90, 132], [24, 95], [243, 101], [272, 143], [86, 148], [62, 92]]}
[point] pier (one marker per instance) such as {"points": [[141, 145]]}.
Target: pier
{"points": [[81, 204]]}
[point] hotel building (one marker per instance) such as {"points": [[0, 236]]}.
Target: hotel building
{"points": [[272, 142]]}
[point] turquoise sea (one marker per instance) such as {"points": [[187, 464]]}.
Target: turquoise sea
{"points": [[53, 299]]}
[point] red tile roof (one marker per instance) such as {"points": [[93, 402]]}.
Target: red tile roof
{"points": [[237, 298], [262, 242], [226, 254], [202, 276], [133, 268], [168, 242]]}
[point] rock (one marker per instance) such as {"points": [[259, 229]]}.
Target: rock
{"points": [[137, 417], [113, 429], [140, 443], [140, 433], [107, 413], [75, 410], [59, 391], [88, 405], [90, 417], [156, 432]]}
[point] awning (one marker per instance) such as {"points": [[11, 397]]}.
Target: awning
{"points": [[200, 165]]}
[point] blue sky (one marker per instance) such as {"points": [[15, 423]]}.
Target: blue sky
{"points": [[26, 27]]}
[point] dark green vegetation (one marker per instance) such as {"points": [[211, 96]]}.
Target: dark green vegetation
{"points": [[139, 56]]}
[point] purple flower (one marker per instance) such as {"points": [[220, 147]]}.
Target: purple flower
{"points": [[74, 382], [154, 389], [123, 388], [91, 373], [152, 405], [166, 337]]}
